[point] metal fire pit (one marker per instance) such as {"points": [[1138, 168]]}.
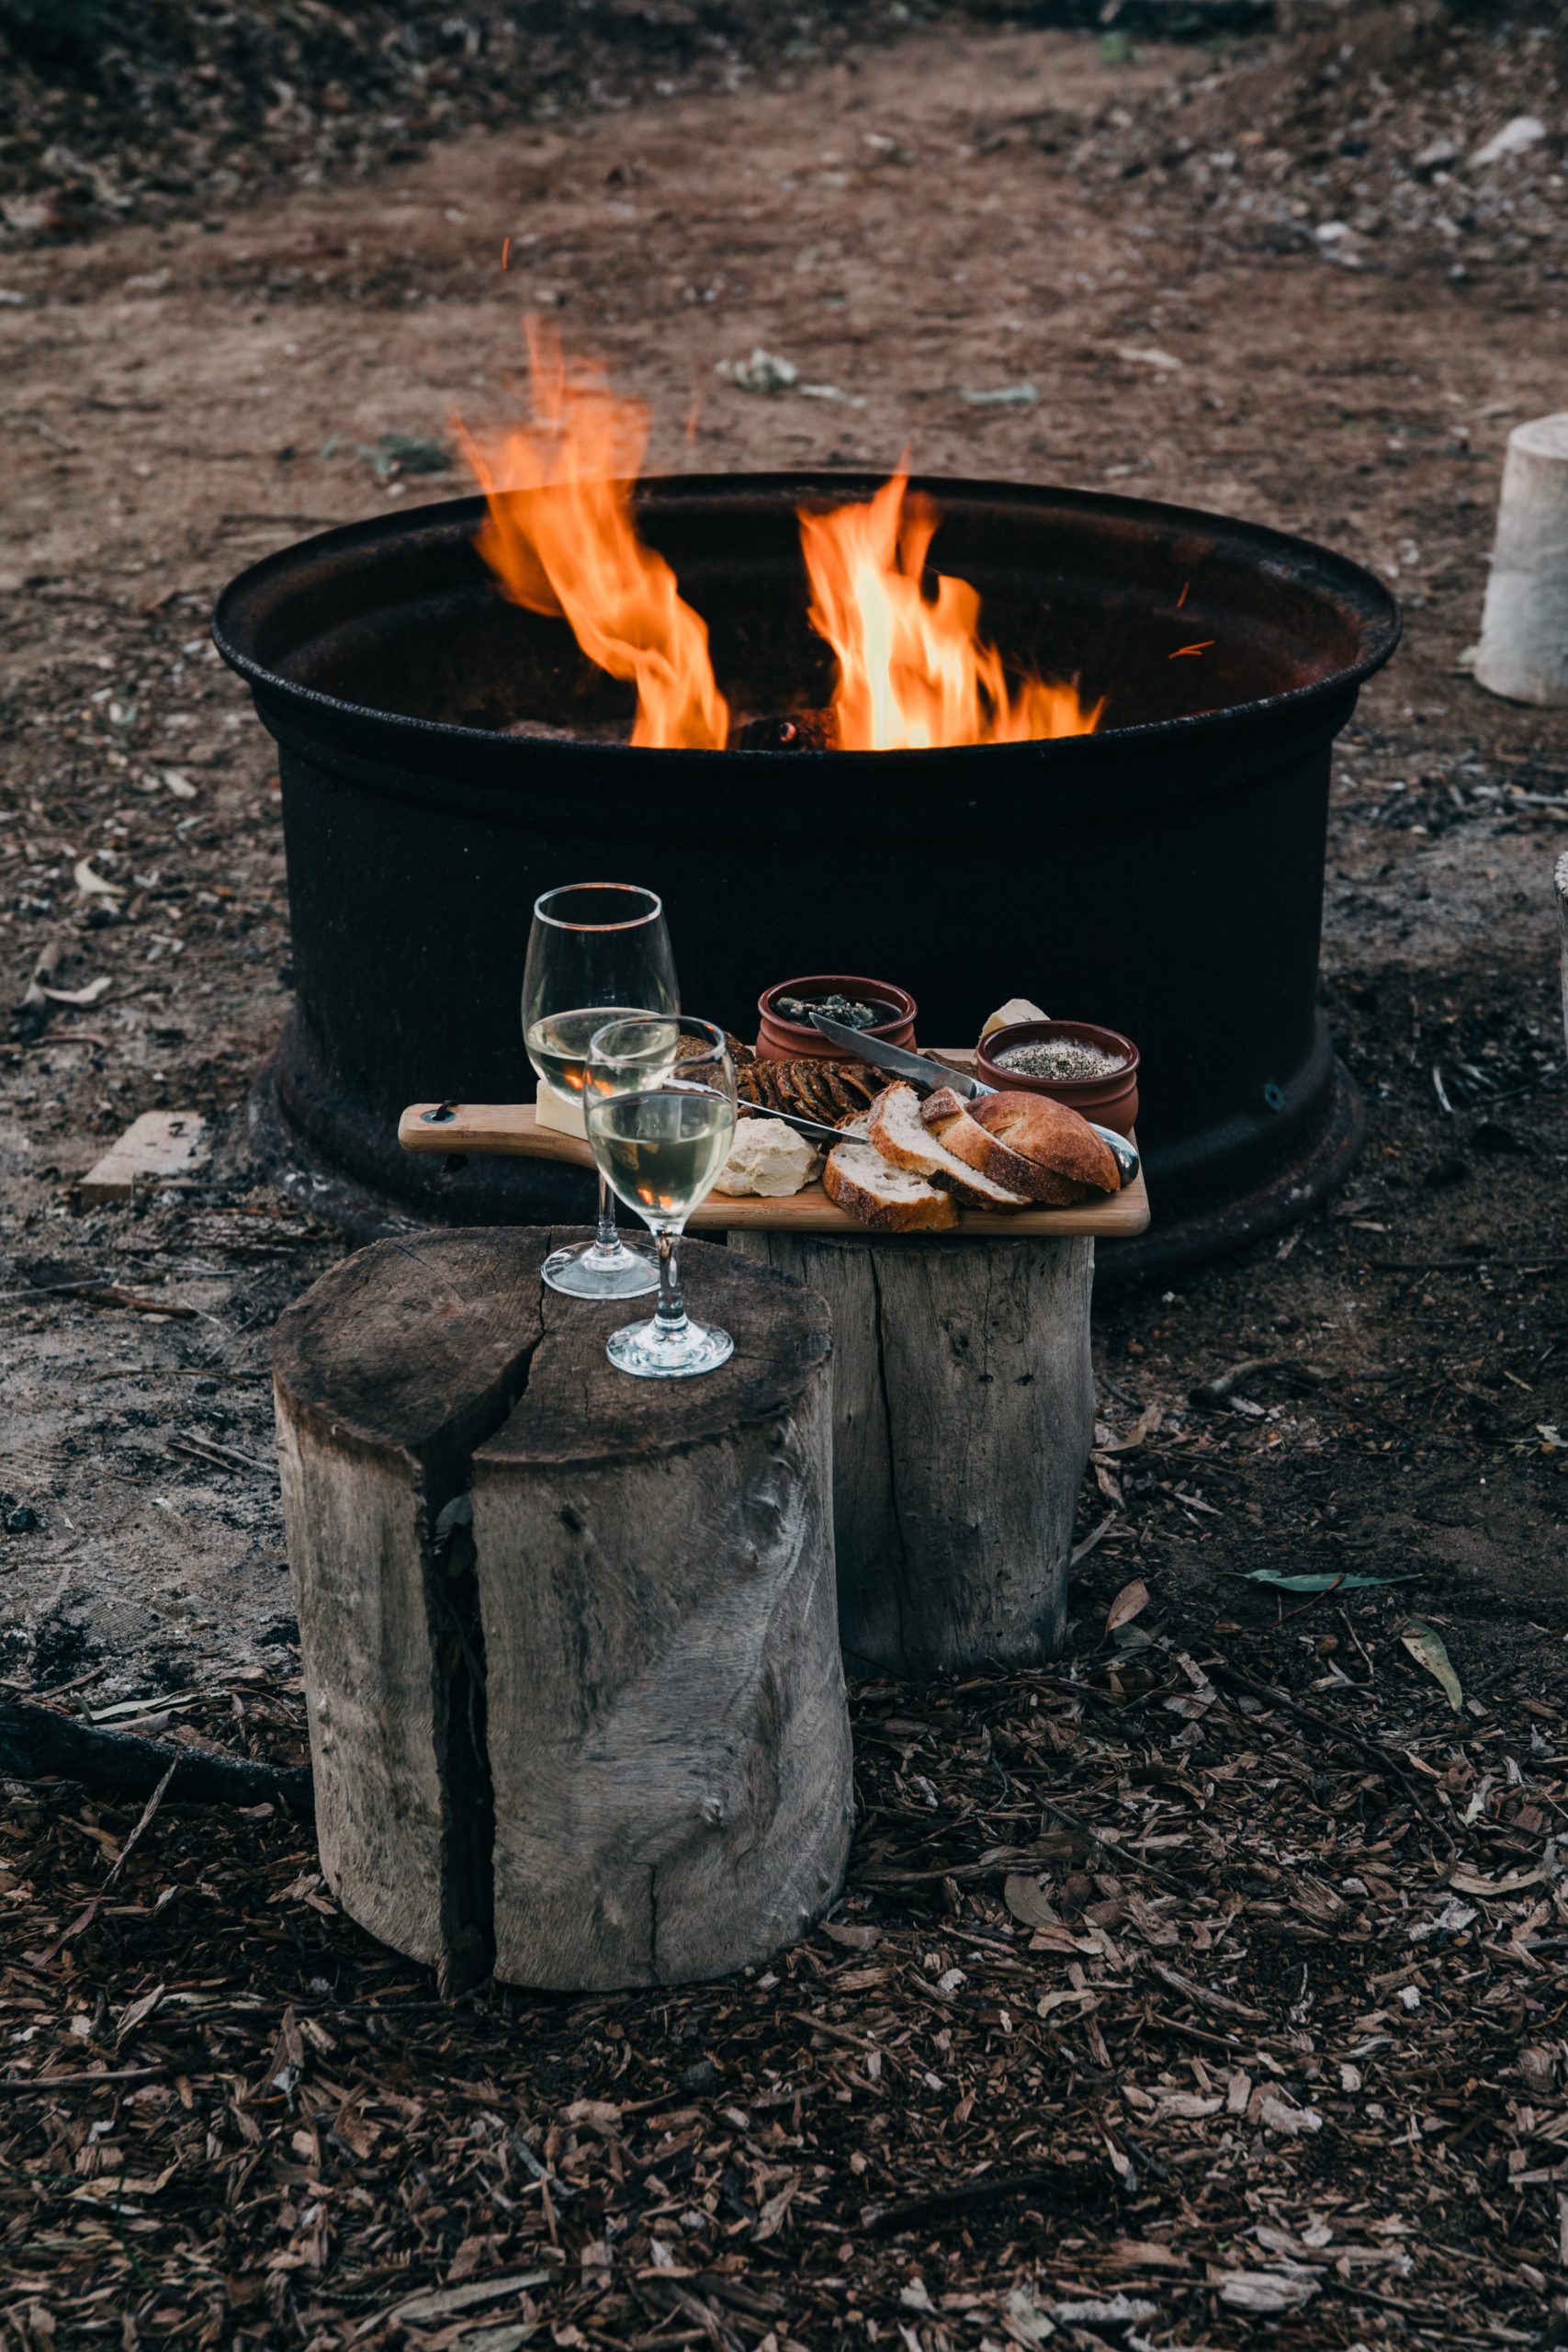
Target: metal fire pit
{"points": [[1164, 875]]}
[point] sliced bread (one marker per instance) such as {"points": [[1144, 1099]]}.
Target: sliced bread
{"points": [[1052, 1134], [891, 1200], [945, 1116], [895, 1129]]}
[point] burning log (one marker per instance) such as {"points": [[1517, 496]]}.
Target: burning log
{"points": [[570, 1660], [798, 731]]}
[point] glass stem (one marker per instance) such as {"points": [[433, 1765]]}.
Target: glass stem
{"points": [[607, 1241], [672, 1315]]}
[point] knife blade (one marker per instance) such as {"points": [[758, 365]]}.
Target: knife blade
{"points": [[898, 1060], [817, 1129]]}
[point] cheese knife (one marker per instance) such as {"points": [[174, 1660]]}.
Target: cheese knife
{"points": [[898, 1060], [817, 1129]]}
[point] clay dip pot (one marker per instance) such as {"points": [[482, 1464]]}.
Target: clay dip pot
{"points": [[780, 1040], [1110, 1099]]}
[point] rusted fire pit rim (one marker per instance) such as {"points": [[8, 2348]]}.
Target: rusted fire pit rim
{"points": [[1365, 605]]}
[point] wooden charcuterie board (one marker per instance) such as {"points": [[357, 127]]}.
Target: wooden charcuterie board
{"points": [[510, 1128]]}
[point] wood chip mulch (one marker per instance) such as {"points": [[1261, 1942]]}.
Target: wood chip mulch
{"points": [[1206, 1987]]}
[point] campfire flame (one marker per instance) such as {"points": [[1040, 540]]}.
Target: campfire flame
{"points": [[913, 670], [562, 540]]}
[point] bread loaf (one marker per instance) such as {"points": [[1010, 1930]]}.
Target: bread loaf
{"points": [[948, 1117], [890, 1200], [1052, 1135], [896, 1129]]}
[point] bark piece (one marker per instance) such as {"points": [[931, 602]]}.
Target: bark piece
{"points": [[558, 1622], [963, 1412]]}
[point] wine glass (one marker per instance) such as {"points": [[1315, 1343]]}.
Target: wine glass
{"points": [[661, 1122], [597, 948]]}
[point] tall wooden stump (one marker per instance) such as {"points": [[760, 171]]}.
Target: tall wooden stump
{"points": [[1523, 651], [570, 1658], [964, 1413]]}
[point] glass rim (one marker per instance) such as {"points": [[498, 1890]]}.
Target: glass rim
{"points": [[685, 1024], [655, 906]]}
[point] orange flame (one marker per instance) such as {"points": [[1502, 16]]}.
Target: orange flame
{"points": [[562, 540], [914, 671]]}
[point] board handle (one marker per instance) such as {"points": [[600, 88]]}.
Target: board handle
{"points": [[504, 1130]]}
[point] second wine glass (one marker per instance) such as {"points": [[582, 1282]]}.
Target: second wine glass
{"points": [[661, 1119], [597, 948]]}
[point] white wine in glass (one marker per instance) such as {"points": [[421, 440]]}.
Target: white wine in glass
{"points": [[597, 949], [661, 1152], [660, 1131], [558, 1048]]}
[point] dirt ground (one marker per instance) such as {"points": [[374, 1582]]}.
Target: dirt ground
{"points": [[963, 209]]}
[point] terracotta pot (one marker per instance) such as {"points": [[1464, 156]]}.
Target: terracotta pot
{"points": [[1112, 1101], [789, 1041]]}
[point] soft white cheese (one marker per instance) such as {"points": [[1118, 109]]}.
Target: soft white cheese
{"points": [[768, 1159], [1017, 1008]]}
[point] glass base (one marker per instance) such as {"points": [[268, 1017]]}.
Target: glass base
{"points": [[592, 1272], [655, 1351]]}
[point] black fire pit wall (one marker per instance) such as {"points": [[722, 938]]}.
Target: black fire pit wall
{"points": [[1163, 876]]}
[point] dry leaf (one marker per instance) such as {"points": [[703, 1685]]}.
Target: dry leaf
{"points": [[1426, 1647], [92, 885], [1143, 1428], [138, 2012], [1024, 1900], [1059, 2000], [1130, 1602], [447, 2300]]}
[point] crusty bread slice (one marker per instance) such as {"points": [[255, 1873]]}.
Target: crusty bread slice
{"points": [[891, 1200], [947, 1116], [1053, 1133], [895, 1128]]}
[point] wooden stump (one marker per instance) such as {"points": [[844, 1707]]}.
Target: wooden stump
{"points": [[964, 1413], [1523, 651], [571, 1661]]}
